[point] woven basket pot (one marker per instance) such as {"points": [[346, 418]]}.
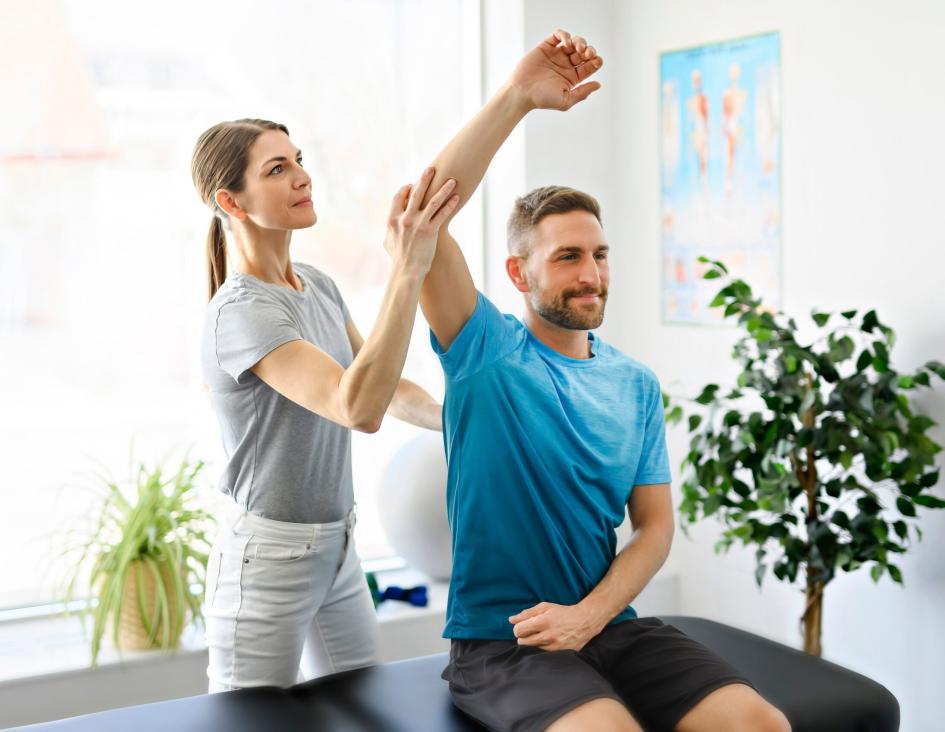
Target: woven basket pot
{"points": [[132, 634]]}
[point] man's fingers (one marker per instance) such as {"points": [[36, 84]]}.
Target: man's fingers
{"points": [[419, 190], [583, 56], [536, 639], [589, 68], [560, 37], [580, 93], [529, 612], [528, 627], [580, 44]]}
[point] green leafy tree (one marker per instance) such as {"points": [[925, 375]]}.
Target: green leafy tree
{"points": [[817, 456]]}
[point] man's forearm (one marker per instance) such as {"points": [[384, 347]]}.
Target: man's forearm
{"points": [[467, 156], [448, 296], [630, 572], [414, 405]]}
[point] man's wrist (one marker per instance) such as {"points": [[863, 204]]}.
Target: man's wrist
{"points": [[516, 100], [596, 612]]}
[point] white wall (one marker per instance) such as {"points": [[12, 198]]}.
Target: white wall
{"points": [[864, 169]]}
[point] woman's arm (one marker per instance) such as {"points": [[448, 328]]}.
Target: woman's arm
{"points": [[358, 397], [411, 403]]}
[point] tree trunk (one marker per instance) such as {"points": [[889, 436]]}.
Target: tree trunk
{"points": [[812, 619], [813, 609]]}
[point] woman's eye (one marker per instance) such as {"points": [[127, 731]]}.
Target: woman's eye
{"points": [[276, 170], [299, 161]]}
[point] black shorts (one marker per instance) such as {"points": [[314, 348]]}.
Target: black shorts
{"points": [[655, 670]]}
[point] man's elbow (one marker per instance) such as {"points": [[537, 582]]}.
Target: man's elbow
{"points": [[663, 531]]}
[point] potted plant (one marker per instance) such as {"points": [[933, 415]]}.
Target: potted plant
{"points": [[817, 456], [144, 563]]}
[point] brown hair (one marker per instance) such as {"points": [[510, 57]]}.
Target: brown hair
{"points": [[531, 208], [220, 159]]}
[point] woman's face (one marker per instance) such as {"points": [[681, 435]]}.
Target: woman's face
{"points": [[277, 192]]}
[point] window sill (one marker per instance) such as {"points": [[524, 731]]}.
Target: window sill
{"points": [[54, 646]]}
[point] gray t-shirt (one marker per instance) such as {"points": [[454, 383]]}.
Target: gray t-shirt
{"points": [[283, 461]]}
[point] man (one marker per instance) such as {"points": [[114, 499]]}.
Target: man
{"points": [[549, 434]]}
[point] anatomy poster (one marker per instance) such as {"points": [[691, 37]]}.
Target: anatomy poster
{"points": [[720, 150]]}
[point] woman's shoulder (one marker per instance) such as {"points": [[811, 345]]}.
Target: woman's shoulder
{"points": [[241, 290], [314, 274], [320, 280]]}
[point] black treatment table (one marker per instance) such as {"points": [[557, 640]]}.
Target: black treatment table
{"points": [[410, 696]]}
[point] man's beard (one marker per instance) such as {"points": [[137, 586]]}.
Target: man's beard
{"points": [[582, 317]]}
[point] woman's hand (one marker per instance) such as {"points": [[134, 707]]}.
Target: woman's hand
{"points": [[548, 76], [412, 231]]}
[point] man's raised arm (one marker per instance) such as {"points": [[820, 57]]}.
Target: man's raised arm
{"points": [[550, 76]]}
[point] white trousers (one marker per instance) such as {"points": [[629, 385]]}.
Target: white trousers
{"points": [[285, 602]]}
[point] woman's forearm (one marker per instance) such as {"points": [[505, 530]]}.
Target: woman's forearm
{"points": [[368, 384]]}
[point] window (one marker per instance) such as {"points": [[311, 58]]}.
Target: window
{"points": [[102, 271]]}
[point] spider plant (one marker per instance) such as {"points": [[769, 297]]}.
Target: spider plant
{"points": [[145, 560]]}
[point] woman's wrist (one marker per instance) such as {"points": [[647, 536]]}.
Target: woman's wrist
{"points": [[409, 272]]}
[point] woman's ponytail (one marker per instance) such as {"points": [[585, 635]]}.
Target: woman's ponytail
{"points": [[216, 255]]}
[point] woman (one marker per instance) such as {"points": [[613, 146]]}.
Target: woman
{"points": [[289, 377]]}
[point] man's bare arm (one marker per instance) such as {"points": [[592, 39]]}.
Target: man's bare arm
{"points": [[551, 76], [651, 515], [556, 627]]}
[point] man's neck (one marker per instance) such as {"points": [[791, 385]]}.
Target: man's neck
{"points": [[567, 342]]}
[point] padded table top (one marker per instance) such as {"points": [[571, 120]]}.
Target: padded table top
{"points": [[410, 696]]}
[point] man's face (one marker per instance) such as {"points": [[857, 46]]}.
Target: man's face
{"points": [[567, 270]]}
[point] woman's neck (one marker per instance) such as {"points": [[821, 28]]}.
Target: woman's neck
{"points": [[264, 254]]}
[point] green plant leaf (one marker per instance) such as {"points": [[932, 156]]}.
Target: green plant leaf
{"points": [[905, 506], [929, 501], [708, 394], [864, 360], [895, 573]]}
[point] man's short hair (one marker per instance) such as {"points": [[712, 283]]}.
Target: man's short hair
{"points": [[531, 208]]}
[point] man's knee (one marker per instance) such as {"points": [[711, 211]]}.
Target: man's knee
{"points": [[767, 718], [761, 717], [600, 715]]}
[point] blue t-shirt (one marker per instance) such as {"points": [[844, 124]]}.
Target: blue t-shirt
{"points": [[543, 451]]}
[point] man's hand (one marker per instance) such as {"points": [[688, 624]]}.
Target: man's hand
{"points": [[548, 76], [555, 627]]}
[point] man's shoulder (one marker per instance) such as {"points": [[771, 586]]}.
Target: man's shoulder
{"points": [[495, 321], [619, 360]]}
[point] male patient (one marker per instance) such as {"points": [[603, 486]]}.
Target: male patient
{"points": [[550, 433]]}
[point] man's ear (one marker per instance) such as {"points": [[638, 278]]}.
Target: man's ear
{"points": [[515, 267], [227, 203]]}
